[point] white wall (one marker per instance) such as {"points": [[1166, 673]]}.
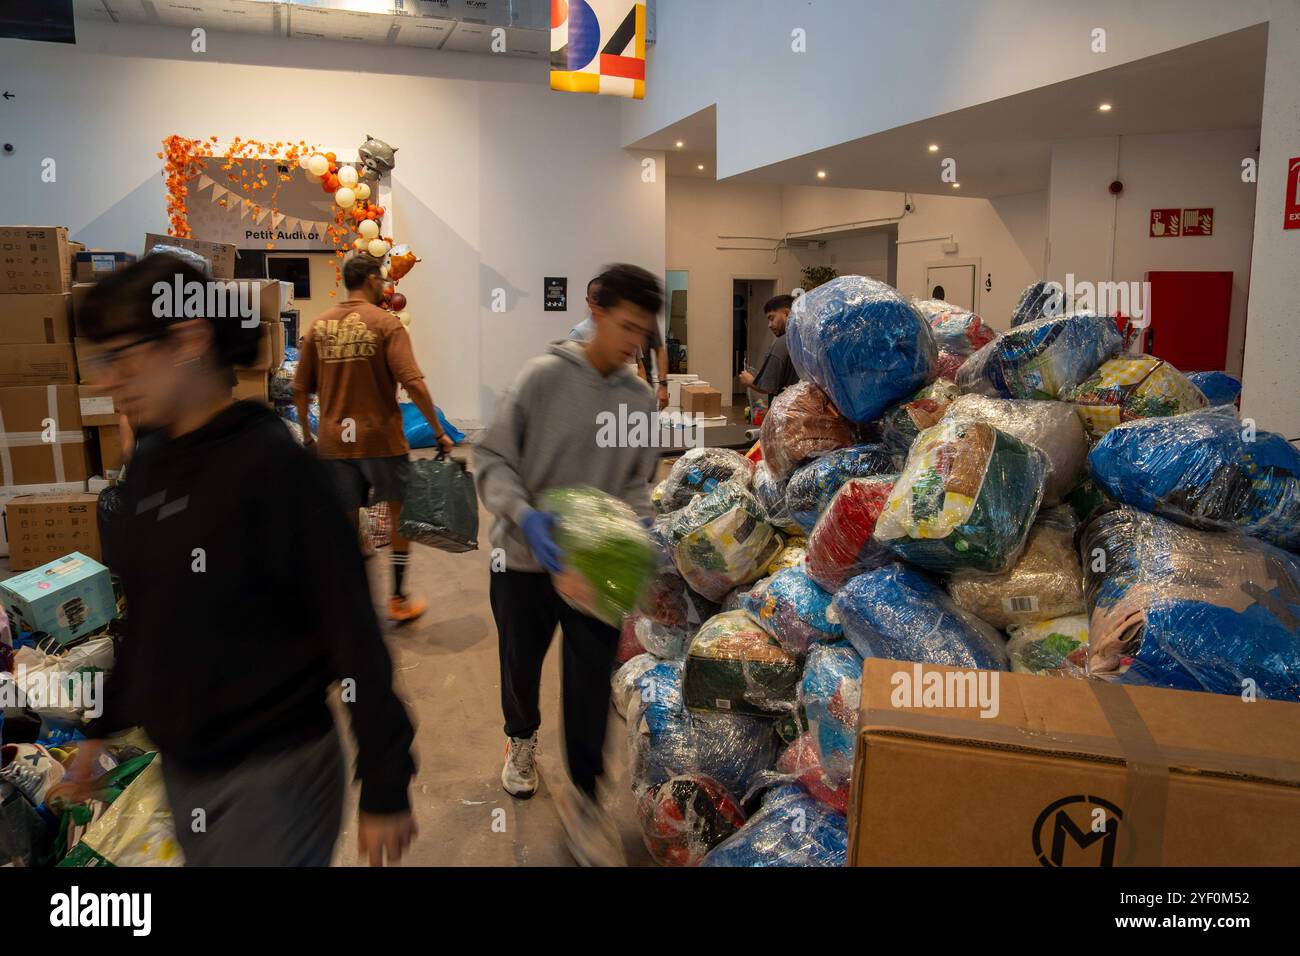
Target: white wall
{"points": [[499, 181], [871, 65], [1088, 226], [1272, 352]]}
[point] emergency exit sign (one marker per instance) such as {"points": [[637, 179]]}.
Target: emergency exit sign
{"points": [[1292, 220]]}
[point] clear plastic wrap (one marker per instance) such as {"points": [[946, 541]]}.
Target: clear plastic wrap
{"points": [[666, 740], [1219, 388], [1130, 387], [698, 472], [896, 612], [628, 645], [812, 486], [663, 642], [842, 543], [1194, 610], [735, 666], [790, 829], [1051, 427], [1040, 300], [602, 540], [668, 614], [1055, 648], [958, 334], [829, 696], [794, 610], [722, 540], [790, 556], [965, 499], [685, 817], [1205, 469], [861, 342], [623, 685], [904, 422], [770, 493], [801, 424], [1040, 359], [801, 762], [1045, 582]]}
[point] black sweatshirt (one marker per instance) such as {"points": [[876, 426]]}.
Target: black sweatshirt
{"points": [[246, 597]]}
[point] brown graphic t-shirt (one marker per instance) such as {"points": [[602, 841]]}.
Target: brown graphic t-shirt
{"points": [[353, 358]]}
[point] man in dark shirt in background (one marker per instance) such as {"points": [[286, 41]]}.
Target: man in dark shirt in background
{"points": [[777, 373]]}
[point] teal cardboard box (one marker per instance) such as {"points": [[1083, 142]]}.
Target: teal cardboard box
{"points": [[67, 599]]}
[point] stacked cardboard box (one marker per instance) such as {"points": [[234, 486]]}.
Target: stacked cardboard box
{"points": [[44, 443]]}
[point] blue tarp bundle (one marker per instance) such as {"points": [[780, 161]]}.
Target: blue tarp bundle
{"points": [[863, 343], [1219, 387], [793, 609], [1040, 359], [811, 487], [830, 694]]}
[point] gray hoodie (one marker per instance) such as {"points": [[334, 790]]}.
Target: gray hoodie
{"points": [[545, 436]]}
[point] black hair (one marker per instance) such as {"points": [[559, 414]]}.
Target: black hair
{"points": [[593, 282], [358, 269], [777, 303], [124, 303], [632, 284]]}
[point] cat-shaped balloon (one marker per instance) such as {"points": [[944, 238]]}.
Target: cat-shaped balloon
{"points": [[377, 158]]}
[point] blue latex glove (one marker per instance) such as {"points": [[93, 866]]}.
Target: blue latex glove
{"points": [[538, 528], [648, 523]]}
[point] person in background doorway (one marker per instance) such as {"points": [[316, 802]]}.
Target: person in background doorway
{"points": [[777, 373], [653, 347], [353, 357], [545, 436], [248, 599]]}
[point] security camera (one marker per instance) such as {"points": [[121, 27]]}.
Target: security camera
{"points": [[907, 207], [9, 147]]}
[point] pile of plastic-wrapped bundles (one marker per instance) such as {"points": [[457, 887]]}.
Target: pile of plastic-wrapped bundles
{"points": [[933, 491]]}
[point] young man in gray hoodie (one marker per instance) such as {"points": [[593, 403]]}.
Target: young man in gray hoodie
{"points": [[545, 435]]}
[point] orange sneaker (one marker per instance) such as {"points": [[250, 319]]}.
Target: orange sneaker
{"points": [[403, 609]]}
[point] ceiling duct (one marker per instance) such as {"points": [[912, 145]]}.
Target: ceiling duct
{"points": [[466, 26]]}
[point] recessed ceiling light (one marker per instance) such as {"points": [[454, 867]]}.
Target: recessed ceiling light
{"points": [[956, 185], [680, 144], [821, 174], [934, 147], [701, 166], [1104, 107]]}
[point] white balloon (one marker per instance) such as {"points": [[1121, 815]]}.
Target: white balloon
{"points": [[317, 164], [345, 197], [383, 271], [369, 229], [348, 175], [360, 245], [363, 190], [302, 161], [378, 248]]}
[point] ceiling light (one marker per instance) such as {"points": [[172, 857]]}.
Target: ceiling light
{"points": [[934, 147], [701, 166], [956, 185], [821, 174], [1104, 107], [680, 144]]}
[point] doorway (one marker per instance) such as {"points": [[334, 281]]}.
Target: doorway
{"points": [[749, 332], [953, 282], [675, 288]]}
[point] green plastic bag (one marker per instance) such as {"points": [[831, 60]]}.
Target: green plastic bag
{"points": [[603, 540], [441, 506]]}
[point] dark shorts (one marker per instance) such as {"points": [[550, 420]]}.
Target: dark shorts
{"points": [[365, 481]]}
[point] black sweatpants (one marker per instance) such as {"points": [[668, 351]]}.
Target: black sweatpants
{"points": [[527, 608]]}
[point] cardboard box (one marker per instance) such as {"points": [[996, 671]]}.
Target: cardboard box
{"points": [[32, 319], [66, 598], [28, 412], [34, 259], [270, 347], [110, 449], [98, 483], [38, 365], [251, 384], [220, 255], [1068, 772], [93, 265], [701, 400], [97, 407], [9, 492]]}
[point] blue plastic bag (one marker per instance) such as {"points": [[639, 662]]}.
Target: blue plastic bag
{"points": [[790, 829], [830, 695], [863, 343], [1198, 469], [898, 613], [1041, 359], [419, 433], [1041, 300], [793, 609], [1219, 387], [811, 487]]}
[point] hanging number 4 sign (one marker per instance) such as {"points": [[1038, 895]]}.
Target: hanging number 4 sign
{"points": [[1292, 220]]}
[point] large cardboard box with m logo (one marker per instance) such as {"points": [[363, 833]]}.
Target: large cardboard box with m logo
{"points": [[1029, 770]]}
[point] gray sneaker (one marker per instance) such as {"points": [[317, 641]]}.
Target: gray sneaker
{"points": [[519, 775], [589, 832]]}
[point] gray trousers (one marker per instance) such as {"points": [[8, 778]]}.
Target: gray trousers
{"points": [[275, 810]]}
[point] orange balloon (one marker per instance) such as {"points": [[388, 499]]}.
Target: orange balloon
{"points": [[379, 211], [331, 157], [325, 185], [333, 182]]}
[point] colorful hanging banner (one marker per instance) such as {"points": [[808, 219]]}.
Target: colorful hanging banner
{"points": [[598, 46]]}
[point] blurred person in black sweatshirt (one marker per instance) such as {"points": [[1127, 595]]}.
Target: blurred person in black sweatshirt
{"points": [[247, 598]]}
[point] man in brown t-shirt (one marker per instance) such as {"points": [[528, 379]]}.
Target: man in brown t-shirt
{"points": [[353, 357]]}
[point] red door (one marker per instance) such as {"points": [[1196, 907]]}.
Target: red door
{"points": [[1189, 319]]}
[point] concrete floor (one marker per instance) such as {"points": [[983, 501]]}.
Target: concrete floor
{"points": [[446, 670]]}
